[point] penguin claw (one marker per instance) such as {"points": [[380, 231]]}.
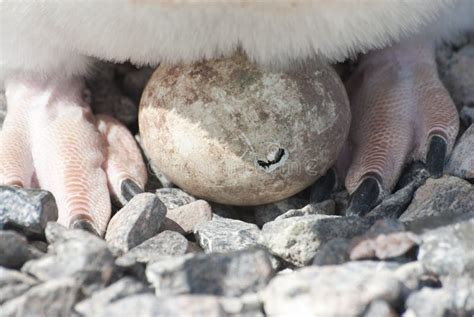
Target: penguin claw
{"points": [[129, 189], [436, 156], [365, 197]]}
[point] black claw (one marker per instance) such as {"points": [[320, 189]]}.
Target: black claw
{"points": [[322, 188], [364, 198], [130, 189], [436, 156], [83, 222]]}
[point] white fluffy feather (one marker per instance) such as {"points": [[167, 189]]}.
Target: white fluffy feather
{"points": [[62, 36]]}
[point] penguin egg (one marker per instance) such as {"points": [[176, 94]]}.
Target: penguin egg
{"points": [[228, 131]]}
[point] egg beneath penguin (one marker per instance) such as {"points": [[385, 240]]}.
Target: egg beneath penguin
{"points": [[230, 132]]}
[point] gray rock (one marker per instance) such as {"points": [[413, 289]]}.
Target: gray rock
{"points": [[246, 305], [380, 308], [448, 251], [440, 302], [386, 239], [26, 210], [15, 250], [165, 244], [174, 197], [136, 222], [297, 239], [334, 252], [461, 162], [53, 298], [225, 274], [183, 219], [414, 275], [56, 232], [13, 284], [124, 287], [444, 197], [147, 305], [334, 290], [326, 207], [268, 212], [222, 235], [86, 259]]}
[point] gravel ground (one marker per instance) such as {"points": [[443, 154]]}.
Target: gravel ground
{"points": [[291, 258]]}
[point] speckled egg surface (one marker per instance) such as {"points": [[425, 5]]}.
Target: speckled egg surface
{"points": [[231, 132]]}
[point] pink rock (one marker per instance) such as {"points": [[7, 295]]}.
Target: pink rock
{"points": [[184, 218]]}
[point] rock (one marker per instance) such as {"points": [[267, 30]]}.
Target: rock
{"points": [[147, 305], [183, 219], [13, 284], [268, 212], [414, 275], [380, 308], [15, 250], [165, 244], [448, 251], [333, 252], [124, 287], [224, 274], [222, 235], [246, 305], [136, 222], [193, 247], [174, 197], [107, 97], [56, 233], [26, 210], [52, 298], [297, 239], [333, 290], [86, 259], [440, 302], [461, 162], [444, 197], [326, 207], [386, 239]]}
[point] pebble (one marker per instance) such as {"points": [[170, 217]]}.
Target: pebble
{"points": [[445, 197], [183, 219], [13, 284], [327, 207], [15, 250], [86, 259], [461, 162], [380, 308], [386, 239], [336, 251], [136, 222], [268, 212], [297, 239], [223, 274], [174, 197], [147, 305], [26, 210], [165, 244], [448, 251], [124, 287], [333, 290], [52, 298], [441, 302], [222, 235]]}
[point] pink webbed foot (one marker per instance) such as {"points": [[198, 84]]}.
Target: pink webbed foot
{"points": [[400, 112], [50, 139]]}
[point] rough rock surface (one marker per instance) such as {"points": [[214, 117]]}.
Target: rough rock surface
{"points": [[268, 212], [15, 250], [333, 290], [461, 162], [136, 222], [297, 239], [174, 197], [326, 207], [225, 274], [13, 284], [444, 197], [222, 235], [335, 251], [26, 210], [449, 251], [165, 244], [184, 218]]}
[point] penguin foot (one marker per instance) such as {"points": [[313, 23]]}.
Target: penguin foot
{"points": [[400, 112], [50, 139]]}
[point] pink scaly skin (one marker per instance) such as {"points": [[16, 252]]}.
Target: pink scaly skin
{"points": [[51, 139], [401, 112]]}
